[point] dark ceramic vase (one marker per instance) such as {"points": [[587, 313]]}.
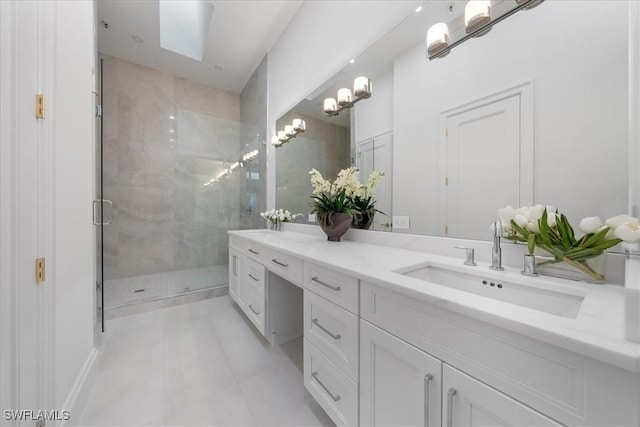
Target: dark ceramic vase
{"points": [[334, 224], [363, 220]]}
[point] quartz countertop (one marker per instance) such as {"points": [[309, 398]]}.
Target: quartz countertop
{"points": [[597, 331]]}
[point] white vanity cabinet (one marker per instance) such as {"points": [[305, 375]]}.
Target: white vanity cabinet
{"points": [[399, 384], [247, 287], [331, 341], [496, 377]]}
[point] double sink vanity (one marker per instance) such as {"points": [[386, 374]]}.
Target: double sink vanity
{"points": [[394, 336]]}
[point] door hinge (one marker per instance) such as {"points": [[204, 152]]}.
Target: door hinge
{"points": [[98, 110], [40, 270], [40, 104]]}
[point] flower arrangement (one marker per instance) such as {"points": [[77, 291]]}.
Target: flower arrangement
{"points": [[543, 227], [346, 194], [277, 217]]}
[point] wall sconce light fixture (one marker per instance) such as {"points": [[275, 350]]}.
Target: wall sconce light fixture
{"points": [[479, 17], [289, 132], [361, 90]]}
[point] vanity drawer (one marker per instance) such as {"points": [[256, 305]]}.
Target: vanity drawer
{"points": [[255, 274], [334, 391], [286, 266], [254, 308], [251, 249], [334, 331], [336, 287]]}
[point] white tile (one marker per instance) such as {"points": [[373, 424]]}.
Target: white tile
{"points": [[201, 363]]}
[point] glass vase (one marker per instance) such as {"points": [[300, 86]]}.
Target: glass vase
{"points": [[591, 271]]}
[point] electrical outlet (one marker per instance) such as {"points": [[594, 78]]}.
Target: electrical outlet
{"points": [[312, 218], [400, 222]]}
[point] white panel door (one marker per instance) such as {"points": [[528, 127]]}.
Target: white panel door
{"points": [[469, 402], [399, 384], [482, 166], [376, 154]]}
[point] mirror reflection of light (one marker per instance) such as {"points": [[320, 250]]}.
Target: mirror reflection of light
{"points": [[235, 165]]}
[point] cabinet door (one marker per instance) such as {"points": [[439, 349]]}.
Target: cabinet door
{"points": [[472, 403], [399, 384], [233, 274]]}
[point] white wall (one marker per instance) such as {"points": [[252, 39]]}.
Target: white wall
{"points": [[72, 110], [374, 116], [321, 39], [45, 204], [575, 56]]}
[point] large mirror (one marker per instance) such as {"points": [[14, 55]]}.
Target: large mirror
{"points": [[535, 111]]}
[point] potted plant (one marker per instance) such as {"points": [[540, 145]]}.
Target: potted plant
{"points": [[277, 217], [331, 205], [542, 227], [364, 202]]}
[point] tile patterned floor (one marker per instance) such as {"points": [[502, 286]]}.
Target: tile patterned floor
{"points": [[122, 292], [198, 364]]}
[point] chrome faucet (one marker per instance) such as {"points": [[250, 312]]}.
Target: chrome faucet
{"points": [[496, 251]]}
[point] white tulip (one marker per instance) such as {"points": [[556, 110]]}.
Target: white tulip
{"points": [[521, 220], [551, 210], [611, 234], [618, 220], [536, 211], [551, 218], [533, 227], [590, 224], [629, 232], [523, 212], [506, 214]]}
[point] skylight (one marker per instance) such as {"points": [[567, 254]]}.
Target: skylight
{"points": [[184, 25]]}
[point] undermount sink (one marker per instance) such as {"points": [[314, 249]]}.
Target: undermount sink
{"points": [[549, 301]]}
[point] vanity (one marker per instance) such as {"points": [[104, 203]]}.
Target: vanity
{"points": [[394, 336]]}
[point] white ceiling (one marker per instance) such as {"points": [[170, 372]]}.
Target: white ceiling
{"points": [[240, 34]]}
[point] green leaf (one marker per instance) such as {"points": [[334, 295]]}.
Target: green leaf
{"points": [[531, 243], [544, 228]]}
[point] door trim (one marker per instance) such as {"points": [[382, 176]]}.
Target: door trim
{"points": [[527, 138]]}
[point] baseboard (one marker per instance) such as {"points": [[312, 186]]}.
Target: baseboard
{"points": [[79, 395]]}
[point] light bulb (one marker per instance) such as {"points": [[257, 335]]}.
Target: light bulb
{"points": [[477, 13], [437, 38]]}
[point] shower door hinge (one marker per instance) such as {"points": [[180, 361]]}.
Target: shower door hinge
{"points": [[40, 104], [40, 270], [98, 110]]}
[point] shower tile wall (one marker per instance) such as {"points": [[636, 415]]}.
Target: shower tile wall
{"points": [[163, 218], [323, 146]]}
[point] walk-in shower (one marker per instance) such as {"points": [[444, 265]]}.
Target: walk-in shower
{"points": [[179, 169]]}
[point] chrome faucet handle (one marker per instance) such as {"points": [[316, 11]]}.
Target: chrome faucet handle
{"points": [[496, 251], [470, 255]]}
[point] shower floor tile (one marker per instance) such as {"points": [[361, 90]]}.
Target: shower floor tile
{"points": [[133, 290], [184, 366]]}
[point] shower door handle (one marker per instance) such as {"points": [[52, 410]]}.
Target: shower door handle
{"points": [[103, 201]]}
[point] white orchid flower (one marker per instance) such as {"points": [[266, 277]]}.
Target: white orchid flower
{"points": [[590, 224], [629, 232]]}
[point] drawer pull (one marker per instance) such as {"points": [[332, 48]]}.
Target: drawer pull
{"points": [[254, 252], [253, 277], [328, 332], [257, 313], [279, 263], [427, 380], [315, 377], [320, 282], [452, 391]]}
